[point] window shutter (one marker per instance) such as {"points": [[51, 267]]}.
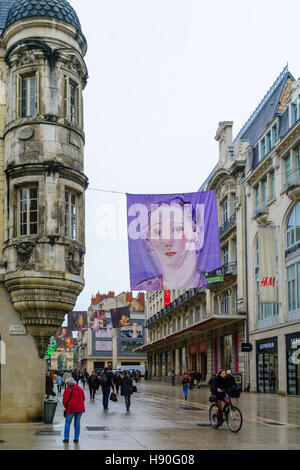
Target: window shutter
{"points": [[37, 93], [19, 96]]}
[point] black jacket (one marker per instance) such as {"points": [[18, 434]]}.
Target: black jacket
{"points": [[222, 384], [126, 385], [117, 380], [93, 381]]}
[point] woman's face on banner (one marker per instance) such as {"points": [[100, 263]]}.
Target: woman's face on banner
{"points": [[168, 234]]}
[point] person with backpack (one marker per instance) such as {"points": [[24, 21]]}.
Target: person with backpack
{"points": [[232, 386], [73, 401], [106, 382], [126, 388], [93, 384], [185, 385]]}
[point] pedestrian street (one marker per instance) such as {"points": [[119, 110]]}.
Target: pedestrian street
{"points": [[160, 419]]}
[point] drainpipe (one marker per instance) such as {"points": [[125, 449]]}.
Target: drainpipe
{"points": [[247, 379]]}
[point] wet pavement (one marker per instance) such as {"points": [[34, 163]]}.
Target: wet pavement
{"points": [[160, 419]]}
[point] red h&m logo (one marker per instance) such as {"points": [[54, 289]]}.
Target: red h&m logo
{"points": [[167, 295], [268, 281]]}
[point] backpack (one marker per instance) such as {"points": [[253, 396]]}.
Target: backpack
{"points": [[103, 380]]}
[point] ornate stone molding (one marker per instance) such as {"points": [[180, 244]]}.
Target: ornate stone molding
{"points": [[74, 259], [24, 255]]}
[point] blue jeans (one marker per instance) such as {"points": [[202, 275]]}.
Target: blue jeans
{"points": [[127, 401], [173, 381], [69, 418], [185, 390], [106, 394]]}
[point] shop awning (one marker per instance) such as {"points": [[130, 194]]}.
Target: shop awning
{"points": [[211, 322]]}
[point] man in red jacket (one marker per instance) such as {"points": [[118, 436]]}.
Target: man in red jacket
{"points": [[73, 401]]}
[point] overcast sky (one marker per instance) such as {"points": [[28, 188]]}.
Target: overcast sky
{"points": [[163, 73]]}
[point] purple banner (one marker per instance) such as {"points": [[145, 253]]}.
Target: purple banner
{"points": [[173, 240]]}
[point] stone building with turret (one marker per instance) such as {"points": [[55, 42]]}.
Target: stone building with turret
{"points": [[42, 189]]}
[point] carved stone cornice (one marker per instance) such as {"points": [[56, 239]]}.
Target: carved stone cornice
{"points": [[49, 167]]}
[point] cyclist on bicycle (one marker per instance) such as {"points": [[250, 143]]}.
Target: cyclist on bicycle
{"points": [[221, 386]]}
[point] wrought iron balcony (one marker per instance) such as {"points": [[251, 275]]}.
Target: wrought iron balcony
{"points": [[231, 222], [292, 184], [230, 268], [176, 303]]}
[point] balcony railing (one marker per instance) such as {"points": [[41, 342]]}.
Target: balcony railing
{"points": [[176, 303], [261, 207], [230, 268], [292, 178], [231, 222]]}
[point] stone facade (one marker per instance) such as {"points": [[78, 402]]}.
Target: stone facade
{"points": [[42, 183], [257, 184]]}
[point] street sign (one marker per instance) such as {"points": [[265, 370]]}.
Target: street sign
{"points": [[247, 347]]}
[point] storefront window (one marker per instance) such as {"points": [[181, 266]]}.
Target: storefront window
{"points": [[169, 362], [163, 364], [293, 364], [267, 365], [227, 353]]}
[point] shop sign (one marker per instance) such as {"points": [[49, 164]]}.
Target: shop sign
{"points": [[247, 347], [193, 349], [203, 347], [267, 345]]}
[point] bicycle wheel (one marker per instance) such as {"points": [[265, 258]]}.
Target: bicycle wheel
{"points": [[213, 415], [234, 419]]}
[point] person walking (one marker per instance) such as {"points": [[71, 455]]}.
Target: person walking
{"points": [[117, 381], [173, 376], [146, 374], [49, 385], [93, 383], [67, 376], [191, 380], [198, 378], [185, 385], [83, 380], [126, 388], [106, 382], [59, 383], [73, 401]]}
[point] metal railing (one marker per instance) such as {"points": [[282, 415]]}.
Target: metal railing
{"points": [[292, 178], [176, 303], [231, 222], [261, 207], [230, 268]]}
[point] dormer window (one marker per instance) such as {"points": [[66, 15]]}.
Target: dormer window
{"points": [[268, 141], [274, 134], [295, 112]]}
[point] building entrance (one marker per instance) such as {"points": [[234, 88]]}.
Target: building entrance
{"points": [[293, 364], [267, 366]]}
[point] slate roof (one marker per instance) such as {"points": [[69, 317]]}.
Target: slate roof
{"points": [[265, 111], [59, 9], [4, 9]]}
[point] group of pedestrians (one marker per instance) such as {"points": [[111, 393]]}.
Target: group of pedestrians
{"points": [[74, 397]]}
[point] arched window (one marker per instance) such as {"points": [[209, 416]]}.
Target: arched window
{"points": [[293, 227]]}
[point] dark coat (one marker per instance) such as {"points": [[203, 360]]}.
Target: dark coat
{"points": [[126, 385], [93, 381], [117, 380], [49, 385], [222, 384]]}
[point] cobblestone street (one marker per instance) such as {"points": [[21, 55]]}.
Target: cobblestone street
{"points": [[160, 419]]}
